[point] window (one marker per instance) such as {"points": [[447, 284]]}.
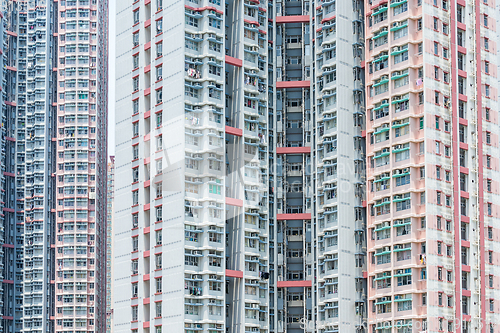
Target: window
{"points": [[403, 7], [214, 23], [436, 97], [159, 96], [159, 284], [135, 83], [485, 20], [159, 49], [487, 67], [159, 26], [191, 21], [436, 48], [486, 43], [135, 39], [159, 213], [136, 16], [438, 144], [135, 59], [159, 73], [158, 237], [158, 309], [135, 129], [159, 142], [446, 29], [158, 261], [135, 106], [461, 61], [159, 119], [445, 53], [400, 33], [135, 313], [461, 37], [436, 22], [488, 137], [159, 190], [135, 198], [437, 122]]}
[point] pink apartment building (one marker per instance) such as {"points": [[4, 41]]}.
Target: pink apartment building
{"points": [[432, 166], [81, 219]]}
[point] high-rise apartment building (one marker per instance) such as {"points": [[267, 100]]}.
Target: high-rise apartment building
{"points": [[53, 146], [319, 223], [245, 172], [10, 231], [432, 166], [81, 172], [241, 158], [109, 244]]}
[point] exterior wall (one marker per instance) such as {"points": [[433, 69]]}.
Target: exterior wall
{"points": [[340, 165], [11, 251], [179, 213], [35, 160], [81, 166], [266, 209], [429, 217], [109, 244]]}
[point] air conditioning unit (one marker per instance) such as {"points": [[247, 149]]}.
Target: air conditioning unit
{"points": [[387, 248]]}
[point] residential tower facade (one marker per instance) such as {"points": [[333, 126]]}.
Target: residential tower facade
{"points": [[432, 166], [45, 280], [242, 163]]}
